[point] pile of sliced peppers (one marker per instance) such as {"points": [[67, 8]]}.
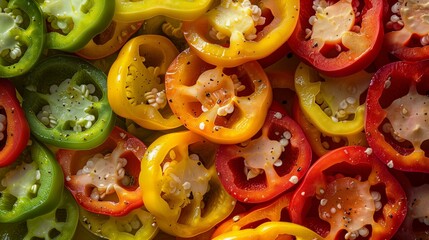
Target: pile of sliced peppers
{"points": [[214, 119]]}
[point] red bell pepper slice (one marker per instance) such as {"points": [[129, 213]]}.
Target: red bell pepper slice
{"points": [[397, 115], [104, 179], [14, 129], [349, 194], [271, 162], [338, 37], [406, 30]]}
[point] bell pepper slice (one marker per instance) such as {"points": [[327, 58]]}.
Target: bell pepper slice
{"points": [[110, 40], [138, 10], [65, 101], [180, 185], [136, 88], [137, 224], [272, 230], [271, 162], [22, 36], [225, 105], [104, 179], [349, 193], [406, 30], [31, 186], [332, 104], [14, 129], [235, 32], [72, 24], [397, 114], [322, 143], [273, 211], [338, 38], [60, 223]]}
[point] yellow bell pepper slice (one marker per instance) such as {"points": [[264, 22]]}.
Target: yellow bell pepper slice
{"points": [[137, 10], [235, 32], [332, 105], [270, 231], [135, 85], [181, 188]]}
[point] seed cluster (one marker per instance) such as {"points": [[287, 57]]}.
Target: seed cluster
{"points": [[79, 94], [106, 171], [28, 175], [10, 47], [185, 180], [156, 98], [240, 9]]}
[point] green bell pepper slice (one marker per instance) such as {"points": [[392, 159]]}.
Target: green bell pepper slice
{"points": [[59, 224], [72, 24], [22, 36], [31, 186], [65, 101]]}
